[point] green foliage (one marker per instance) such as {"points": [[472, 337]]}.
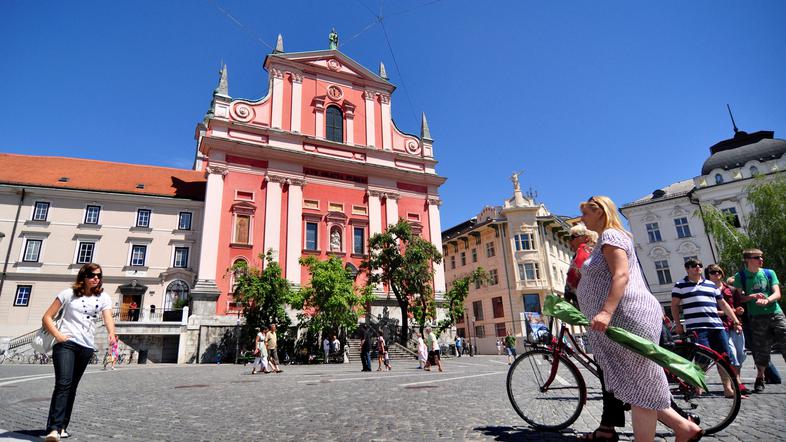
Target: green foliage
{"points": [[331, 301], [766, 227], [262, 294], [403, 262], [456, 296]]}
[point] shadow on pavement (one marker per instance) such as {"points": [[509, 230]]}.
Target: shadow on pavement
{"points": [[33, 435], [518, 433]]}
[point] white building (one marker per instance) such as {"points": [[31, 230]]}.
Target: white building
{"points": [[140, 223], [667, 225]]}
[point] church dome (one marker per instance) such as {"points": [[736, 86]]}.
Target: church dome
{"points": [[744, 147]]}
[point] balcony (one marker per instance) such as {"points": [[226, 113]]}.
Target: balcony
{"points": [[147, 321], [531, 284]]}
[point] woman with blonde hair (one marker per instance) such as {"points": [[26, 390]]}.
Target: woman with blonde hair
{"points": [[612, 291]]}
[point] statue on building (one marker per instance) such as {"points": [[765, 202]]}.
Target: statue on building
{"points": [[335, 240], [515, 179], [333, 39]]}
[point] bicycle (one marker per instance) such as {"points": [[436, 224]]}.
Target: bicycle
{"points": [[549, 392], [38, 358], [11, 357]]}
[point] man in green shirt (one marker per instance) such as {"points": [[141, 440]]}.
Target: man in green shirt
{"points": [[761, 293]]}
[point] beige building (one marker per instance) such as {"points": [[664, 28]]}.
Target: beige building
{"points": [[140, 223], [524, 250]]}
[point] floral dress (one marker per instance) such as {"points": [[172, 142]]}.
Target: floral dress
{"points": [[631, 377]]}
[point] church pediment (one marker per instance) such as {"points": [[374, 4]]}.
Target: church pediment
{"points": [[331, 61]]}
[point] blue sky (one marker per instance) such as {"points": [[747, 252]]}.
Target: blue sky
{"points": [[613, 97]]}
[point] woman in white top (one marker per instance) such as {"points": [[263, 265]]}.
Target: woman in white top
{"points": [[260, 352], [82, 304]]}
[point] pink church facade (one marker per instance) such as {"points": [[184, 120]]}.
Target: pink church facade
{"points": [[315, 167]]}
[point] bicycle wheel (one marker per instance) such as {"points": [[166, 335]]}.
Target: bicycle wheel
{"points": [[551, 407], [718, 406], [32, 359]]}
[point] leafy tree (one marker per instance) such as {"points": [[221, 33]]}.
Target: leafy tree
{"points": [[403, 262], [262, 294], [331, 301], [766, 227], [456, 296]]}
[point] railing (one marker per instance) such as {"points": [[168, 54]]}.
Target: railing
{"points": [[22, 340], [124, 314]]}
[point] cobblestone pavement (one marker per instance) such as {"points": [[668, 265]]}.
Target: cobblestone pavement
{"points": [[317, 402]]}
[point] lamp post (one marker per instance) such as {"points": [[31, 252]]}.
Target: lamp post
{"points": [[475, 346], [237, 338]]}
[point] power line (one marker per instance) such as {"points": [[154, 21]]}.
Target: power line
{"points": [[401, 77], [241, 25]]}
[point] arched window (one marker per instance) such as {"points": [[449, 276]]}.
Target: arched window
{"points": [[718, 178], [754, 170], [177, 290], [334, 126], [239, 266]]}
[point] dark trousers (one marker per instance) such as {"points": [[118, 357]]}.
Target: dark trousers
{"points": [[771, 374], [365, 357], [613, 408], [70, 362]]}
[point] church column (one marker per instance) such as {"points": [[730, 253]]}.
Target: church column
{"points": [[349, 116], [435, 233], [387, 143], [294, 229], [391, 208], [206, 292], [297, 97], [370, 131], [319, 117], [374, 212], [277, 77], [273, 214]]}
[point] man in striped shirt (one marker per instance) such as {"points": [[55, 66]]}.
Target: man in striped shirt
{"points": [[700, 301]]}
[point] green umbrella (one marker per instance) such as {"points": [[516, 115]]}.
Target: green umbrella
{"points": [[676, 364]]}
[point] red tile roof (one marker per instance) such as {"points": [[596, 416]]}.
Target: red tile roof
{"points": [[102, 176]]}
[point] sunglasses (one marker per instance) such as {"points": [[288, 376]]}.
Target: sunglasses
{"points": [[693, 266], [756, 257], [94, 275], [715, 272], [575, 236]]}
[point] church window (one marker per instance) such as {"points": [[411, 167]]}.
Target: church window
{"points": [[754, 170], [334, 126], [718, 178]]}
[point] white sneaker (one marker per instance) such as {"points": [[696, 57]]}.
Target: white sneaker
{"points": [[64, 434], [53, 436]]}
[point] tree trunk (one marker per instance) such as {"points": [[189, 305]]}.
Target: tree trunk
{"points": [[404, 337]]}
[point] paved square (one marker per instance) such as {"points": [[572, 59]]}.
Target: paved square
{"points": [[316, 402]]}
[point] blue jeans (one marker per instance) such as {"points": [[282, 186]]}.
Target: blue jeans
{"points": [[70, 362], [737, 346], [714, 338]]}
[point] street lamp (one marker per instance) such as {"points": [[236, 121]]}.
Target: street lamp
{"points": [[237, 338], [475, 346]]}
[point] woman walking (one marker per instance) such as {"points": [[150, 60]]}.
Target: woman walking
{"points": [[612, 292], [74, 341]]}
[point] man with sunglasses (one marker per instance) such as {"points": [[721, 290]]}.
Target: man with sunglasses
{"points": [[761, 293], [700, 301]]}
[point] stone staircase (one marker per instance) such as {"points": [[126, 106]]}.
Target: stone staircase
{"points": [[397, 351]]}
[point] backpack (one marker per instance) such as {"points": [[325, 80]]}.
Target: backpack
{"points": [[767, 272]]}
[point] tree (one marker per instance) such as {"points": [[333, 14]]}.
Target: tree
{"points": [[455, 298], [262, 294], [766, 227], [330, 301], [404, 262]]}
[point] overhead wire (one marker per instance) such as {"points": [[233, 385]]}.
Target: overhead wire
{"points": [[241, 25]]}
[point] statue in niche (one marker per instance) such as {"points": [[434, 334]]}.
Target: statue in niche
{"points": [[335, 240]]}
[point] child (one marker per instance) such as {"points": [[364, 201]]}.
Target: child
{"points": [[387, 361]]}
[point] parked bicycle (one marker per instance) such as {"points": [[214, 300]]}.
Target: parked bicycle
{"points": [[38, 358], [548, 391], [11, 357]]}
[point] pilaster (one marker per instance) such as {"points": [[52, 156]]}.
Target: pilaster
{"points": [[294, 229], [273, 214], [374, 212], [319, 118], [391, 208], [297, 97], [387, 136], [277, 77], [349, 117], [435, 232], [211, 222], [370, 132]]}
